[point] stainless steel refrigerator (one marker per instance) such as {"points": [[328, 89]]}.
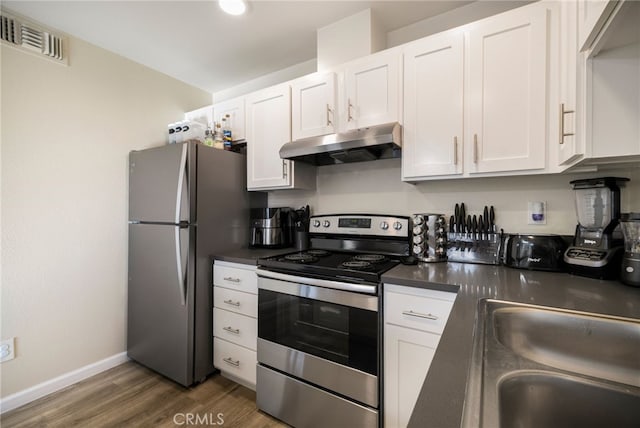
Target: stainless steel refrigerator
{"points": [[186, 203]]}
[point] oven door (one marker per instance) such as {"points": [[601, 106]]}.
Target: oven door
{"points": [[324, 336]]}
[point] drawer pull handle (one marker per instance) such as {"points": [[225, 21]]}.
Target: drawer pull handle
{"points": [[419, 315], [231, 330], [231, 361], [232, 303], [231, 279]]}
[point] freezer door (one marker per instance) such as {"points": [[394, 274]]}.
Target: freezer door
{"points": [[160, 184], [160, 300]]}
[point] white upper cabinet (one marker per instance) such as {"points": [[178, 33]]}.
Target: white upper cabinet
{"points": [[433, 106], [313, 106], [507, 83], [372, 90], [569, 142], [592, 15], [476, 98], [235, 110], [268, 128]]}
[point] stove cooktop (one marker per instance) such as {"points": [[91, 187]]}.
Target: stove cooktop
{"points": [[342, 266]]}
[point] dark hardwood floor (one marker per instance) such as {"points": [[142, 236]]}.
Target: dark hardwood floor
{"points": [[132, 396]]}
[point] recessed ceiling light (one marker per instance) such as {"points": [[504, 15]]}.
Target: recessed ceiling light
{"points": [[233, 7]]}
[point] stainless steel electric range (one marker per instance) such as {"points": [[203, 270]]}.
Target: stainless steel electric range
{"points": [[319, 333]]}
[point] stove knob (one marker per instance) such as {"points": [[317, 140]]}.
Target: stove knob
{"points": [[417, 239], [417, 249], [397, 225], [316, 223], [418, 219], [417, 230], [384, 225], [326, 223]]}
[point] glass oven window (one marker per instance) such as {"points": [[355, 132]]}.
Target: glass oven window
{"points": [[343, 334]]}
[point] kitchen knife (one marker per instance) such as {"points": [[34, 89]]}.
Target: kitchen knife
{"points": [[451, 222], [481, 228], [492, 220], [475, 224], [485, 216], [463, 217], [456, 216], [469, 224]]}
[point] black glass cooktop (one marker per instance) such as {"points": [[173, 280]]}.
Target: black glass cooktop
{"points": [[339, 266]]}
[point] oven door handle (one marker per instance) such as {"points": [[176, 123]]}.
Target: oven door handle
{"points": [[327, 283]]}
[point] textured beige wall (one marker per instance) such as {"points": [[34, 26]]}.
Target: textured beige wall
{"points": [[66, 134], [375, 187]]}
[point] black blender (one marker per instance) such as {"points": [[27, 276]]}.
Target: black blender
{"points": [[630, 272], [597, 245]]}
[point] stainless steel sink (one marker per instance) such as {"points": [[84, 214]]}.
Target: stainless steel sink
{"points": [[534, 366], [533, 400]]}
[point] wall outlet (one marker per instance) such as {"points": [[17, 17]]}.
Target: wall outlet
{"points": [[7, 350]]}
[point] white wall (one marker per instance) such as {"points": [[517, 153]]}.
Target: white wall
{"points": [[375, 187], [66, 134]]}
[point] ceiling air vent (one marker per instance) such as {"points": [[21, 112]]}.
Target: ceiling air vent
{"points": [[24, 35]]}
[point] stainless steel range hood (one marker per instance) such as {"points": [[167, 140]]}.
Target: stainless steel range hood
{"points": [[376, 142]]}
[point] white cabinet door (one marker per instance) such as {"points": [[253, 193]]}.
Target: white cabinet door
{"points": [[569, 144], [592, 14], [407, 357], [313, 106], [232, 111], [268, 128], [372, 88], [507, 92], [433, 106]]}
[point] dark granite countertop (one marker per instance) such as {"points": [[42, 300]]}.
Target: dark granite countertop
{"points": [[441, 399], [250, 256]]}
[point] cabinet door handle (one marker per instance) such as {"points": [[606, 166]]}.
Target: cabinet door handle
{"points": [[455, 150], [475, 148], [284, 168], [231, 330], [561, 120], [229, 360], [232, 303], [232, 279], [419, 315], [349, 106], [329, 123]]}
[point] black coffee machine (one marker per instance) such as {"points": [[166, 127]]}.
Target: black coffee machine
{"points": [[597, 245]]}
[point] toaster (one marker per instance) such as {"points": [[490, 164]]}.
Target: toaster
{"points": [[535, 252]]}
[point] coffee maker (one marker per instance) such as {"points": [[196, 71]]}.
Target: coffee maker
{"points": [[630, 272], [271, 227], [597, 245]]}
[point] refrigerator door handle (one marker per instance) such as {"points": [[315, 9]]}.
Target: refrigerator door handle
{"points": [[181, 277], [181, 174]]}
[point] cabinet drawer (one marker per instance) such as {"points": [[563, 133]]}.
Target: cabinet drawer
{"points": [[235, 301], [415, 311], [235, 360], [236, 328], [236, 279]]}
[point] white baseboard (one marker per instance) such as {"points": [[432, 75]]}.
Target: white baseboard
{"points": [[28, 395]]}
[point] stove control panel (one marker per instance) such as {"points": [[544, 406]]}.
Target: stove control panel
{"points": [[361, 224]]}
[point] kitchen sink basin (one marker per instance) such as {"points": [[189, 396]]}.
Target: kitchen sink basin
{"points": [[528, 400], [593, 345], [535, 366]]}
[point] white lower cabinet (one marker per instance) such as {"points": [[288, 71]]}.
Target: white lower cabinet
{"points": [[414, 320], [235, 323]]}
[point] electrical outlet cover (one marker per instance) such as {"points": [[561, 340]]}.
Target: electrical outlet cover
{"points": [[7, 350]]}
